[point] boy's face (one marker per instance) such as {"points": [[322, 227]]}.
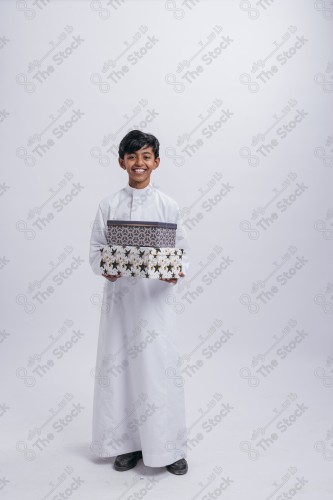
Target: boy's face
{"points": [[139, 166]]}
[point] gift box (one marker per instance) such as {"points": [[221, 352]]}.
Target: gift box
{"points": [[141, 262], [141, 233]]}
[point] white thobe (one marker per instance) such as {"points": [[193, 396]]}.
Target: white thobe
{"points": [[139, 399]]}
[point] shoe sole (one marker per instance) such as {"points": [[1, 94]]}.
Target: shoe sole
{"points": [[122, 469], [179, 472]]}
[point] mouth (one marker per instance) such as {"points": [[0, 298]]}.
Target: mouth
{"points": [[139, 170]]}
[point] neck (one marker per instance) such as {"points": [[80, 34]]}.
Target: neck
{"points": [[139, 185]]}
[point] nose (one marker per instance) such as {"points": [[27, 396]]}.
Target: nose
{"points": [[139, 161]]}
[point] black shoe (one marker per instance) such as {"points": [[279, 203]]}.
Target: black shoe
{"points": [[127, 460], [179, 467]]}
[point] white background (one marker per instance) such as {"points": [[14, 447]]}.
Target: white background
{"points": [[270, 355]]}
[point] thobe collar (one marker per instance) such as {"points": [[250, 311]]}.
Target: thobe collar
{"points": [[139, 192]]}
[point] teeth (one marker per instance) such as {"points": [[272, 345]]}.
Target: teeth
{"points": [[139, 169]]}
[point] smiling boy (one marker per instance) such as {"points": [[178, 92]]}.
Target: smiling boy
{"points": [[139, 166], [139, 406]]}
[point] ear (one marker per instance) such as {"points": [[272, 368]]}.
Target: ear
{"points": [[157, 162], [121, 163]]}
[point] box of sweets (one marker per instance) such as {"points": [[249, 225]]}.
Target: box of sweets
{"points": [[141, 261], [141, 233], [143, 249]]}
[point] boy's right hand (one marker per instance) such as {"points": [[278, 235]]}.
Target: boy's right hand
{"points": [[111, 278]]}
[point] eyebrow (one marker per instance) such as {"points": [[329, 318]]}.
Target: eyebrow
{"points": [[144, 152]]}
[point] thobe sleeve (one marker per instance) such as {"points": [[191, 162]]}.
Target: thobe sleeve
{"points": [[182, 241], [97, 239]]}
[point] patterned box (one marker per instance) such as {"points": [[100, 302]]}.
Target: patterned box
{"points": [[141, 233], [141, 262]]}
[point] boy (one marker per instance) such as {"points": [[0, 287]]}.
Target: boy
{"points": [[139, 407]]}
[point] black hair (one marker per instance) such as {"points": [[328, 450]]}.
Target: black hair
{"points": [[134, 140]]}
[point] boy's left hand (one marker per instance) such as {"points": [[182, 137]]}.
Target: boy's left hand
{"points": [[172, 280]]}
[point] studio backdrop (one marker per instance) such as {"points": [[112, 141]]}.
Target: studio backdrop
{"points": [[240, 96]]}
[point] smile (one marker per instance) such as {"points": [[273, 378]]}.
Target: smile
{"points": [[139, 170]]}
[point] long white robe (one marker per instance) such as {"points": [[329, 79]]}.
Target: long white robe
{"points": [[139, 401]]}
